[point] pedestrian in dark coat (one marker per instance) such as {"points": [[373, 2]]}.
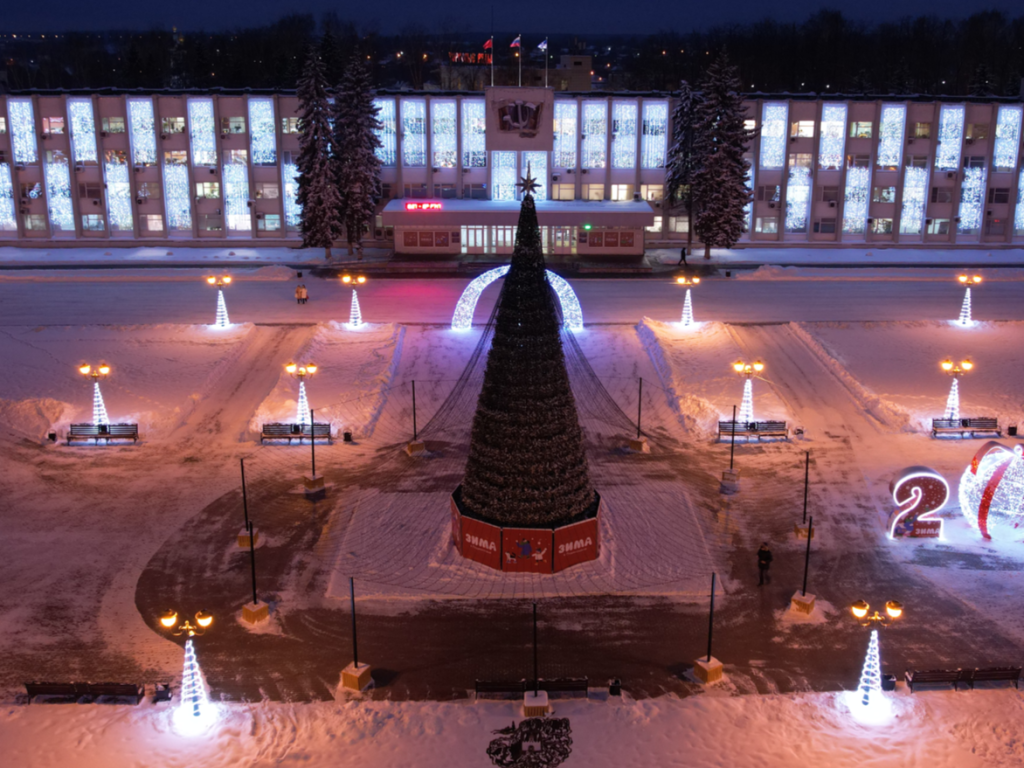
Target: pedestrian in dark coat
{"points": [[682, 257], [764, 562]]}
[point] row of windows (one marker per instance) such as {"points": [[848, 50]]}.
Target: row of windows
{"points": [[769, 225], [863, 130], [772, 193], [168, 125], [153, 223]]}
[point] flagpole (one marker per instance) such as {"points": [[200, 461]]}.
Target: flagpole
{"points": [[520, 52], [545, 62], [492, 51]]}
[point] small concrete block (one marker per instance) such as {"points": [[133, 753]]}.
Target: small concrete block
{"points": [[356, 678], [639, 446], [730, 481], [314, 485], [536, 704], [707, 671], [802, 603], [415, 447], [255, 613], [801, 531], [243, 538]]}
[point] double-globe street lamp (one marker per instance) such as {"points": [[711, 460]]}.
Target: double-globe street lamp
{"points": [[689, 282], [956, 370], [99, 408], [747, 371]]}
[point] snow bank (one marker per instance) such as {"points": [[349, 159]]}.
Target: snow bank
{"points": [[774, 272], [33, 417], [886, 412]]}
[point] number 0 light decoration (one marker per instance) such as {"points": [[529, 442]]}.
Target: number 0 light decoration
{"points": [[919, 493], [992, 492]]}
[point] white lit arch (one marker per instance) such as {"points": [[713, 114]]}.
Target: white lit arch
{"points": [[463, 318]]}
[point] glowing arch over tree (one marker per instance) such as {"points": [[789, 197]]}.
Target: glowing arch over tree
{"points": [[463, 318]]}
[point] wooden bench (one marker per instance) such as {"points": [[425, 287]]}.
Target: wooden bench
{"points": [[298, 432], [570, 685], [938, 677], [996, 674], [108, 432], [966, 426], [115, 691], [71, 692], [726, 429], [499, 688], [61, 691]]}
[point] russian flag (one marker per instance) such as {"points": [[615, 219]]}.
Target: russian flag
{"points": [[515, 43]]}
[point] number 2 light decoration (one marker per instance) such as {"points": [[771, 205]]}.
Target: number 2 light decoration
{"points": [[919, 493], [992, 492]]}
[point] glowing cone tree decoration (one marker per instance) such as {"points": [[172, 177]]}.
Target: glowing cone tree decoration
{"points": [[194, 698], [746, 414], [303, 415], [355, 317], [953, 401], [687, 310], [965, 310], [99, 409], [869, 691], [222, 320]]}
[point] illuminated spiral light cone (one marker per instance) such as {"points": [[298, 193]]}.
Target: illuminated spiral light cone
{"points": [[303, 415], [99, 409], [953, 401], [746, 414], [965, 310], [687, 310], [195, 712], [355, 317], [222, 312], [871, 673], [992, 492]]}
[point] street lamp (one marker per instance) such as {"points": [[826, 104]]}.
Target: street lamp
{"points": [[965, 310], [689, 282], [956, 371], [99, 409], [747, 371], [222, 308], [868, 703], [195, 712], [300, 372], [355, 315]]}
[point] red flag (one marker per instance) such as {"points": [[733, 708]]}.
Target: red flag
{"points": [[489, 44]]}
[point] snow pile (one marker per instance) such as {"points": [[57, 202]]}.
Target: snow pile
{"points": [[276, 272], [34, 417], [771, 272], [350, 387], [887, 413]]}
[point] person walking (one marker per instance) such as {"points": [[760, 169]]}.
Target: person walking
{"points": [[682, 257], [305, 293], [764, 562], [298, 293]]}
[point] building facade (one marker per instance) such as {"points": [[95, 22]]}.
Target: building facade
{"points": [[203, 169]]}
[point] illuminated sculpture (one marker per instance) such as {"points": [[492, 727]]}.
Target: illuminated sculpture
{"points": [[956, 371], [355, 315], [919, 493], [687, 319], [965, 309], [301, 372], [747, 371], [195, 713], [992, 492], [462, 320], [868, 704], [222, 320], [99, 409]]}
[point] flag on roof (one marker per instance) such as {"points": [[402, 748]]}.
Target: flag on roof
{"points": [[489, 43], [515, 43], [543, 46]]}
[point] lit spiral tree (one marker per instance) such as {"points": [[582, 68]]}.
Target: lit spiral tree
{"points": [[355, 315], [965, 309], [99, 408], [747, 371], [301, 372], [956, 371], [687, 320], [195, 713], [220, 281], [868, 703]]}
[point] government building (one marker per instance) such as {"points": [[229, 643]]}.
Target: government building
{"points": [[113, 168]]}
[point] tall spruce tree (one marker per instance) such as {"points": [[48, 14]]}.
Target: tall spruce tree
{"points": [[318, 190], [682, 161], [357, 166], [720, 140], [527, 465]]}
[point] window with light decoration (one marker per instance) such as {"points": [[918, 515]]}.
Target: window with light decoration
{"points": [[208, 190], [801, 129], [414, 133], [112, 125], [883, 195], [176, 157], [474, 133], [443, 134], [149, 190]]}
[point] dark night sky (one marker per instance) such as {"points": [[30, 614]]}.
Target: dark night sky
{"points": [[543, 16]]}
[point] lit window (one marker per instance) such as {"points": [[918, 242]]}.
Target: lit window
{"points": [[563, 192], [620, 192], [154, 222], [655, 228], [679, 224], [652, 192], [593, 191], [53, 125], [112, 124], [269, 222], [922, 131], [881, 227], [802, 129], [289, 125], [232, 125], [768, 225], [267, 191], [800, 160], [977, 131], [169, 125], [92, 222], [35, 222], [883, 195], [3, 126], [177, 157], [860, 130], [208, 190]]}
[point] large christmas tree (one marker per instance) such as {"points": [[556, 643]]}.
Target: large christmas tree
{"points": [[357, 166], [720, 142], [318, 189], [526, 462]]}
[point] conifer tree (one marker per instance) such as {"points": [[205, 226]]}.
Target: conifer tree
{"points": [[720, 141], [318, 193], [527, 465], [682, 162], [357, 165]]}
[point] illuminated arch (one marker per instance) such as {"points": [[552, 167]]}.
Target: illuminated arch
{"points": [[463, 318]]}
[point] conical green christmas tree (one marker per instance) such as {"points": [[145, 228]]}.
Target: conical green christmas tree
{"points": [[526, 462]]}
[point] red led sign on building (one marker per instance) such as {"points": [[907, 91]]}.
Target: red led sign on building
{"points": [[423, 206]]}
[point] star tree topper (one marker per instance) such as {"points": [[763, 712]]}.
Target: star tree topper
{"points": [[527, 184]]}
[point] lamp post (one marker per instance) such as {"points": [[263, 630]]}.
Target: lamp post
{"points": [[956, 371], [747, 371], [300, 372], [220, 281], [965, 309], [195, 711], [689, 282], [355, 315], [99, 408], [868, 702]]}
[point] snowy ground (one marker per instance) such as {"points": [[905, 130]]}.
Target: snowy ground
{"points": [[97, 541]]}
